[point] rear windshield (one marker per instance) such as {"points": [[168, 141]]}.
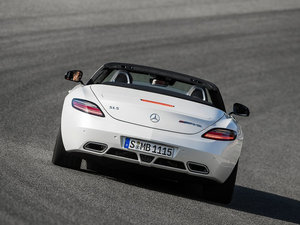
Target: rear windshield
{"points": [[160, 84]]}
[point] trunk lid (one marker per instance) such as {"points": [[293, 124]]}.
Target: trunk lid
{"points": [[155, 110]]}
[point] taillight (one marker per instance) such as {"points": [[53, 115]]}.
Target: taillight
{"points": [[220, 134], [87, 107]]}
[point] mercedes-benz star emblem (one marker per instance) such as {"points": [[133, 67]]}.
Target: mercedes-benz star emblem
{"points": [[154, 117]]}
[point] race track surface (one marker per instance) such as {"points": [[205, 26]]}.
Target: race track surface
{"points": [[249, 48]]}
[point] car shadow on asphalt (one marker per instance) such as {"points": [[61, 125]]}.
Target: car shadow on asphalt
{"points": [[265, 204], [244, 199]]}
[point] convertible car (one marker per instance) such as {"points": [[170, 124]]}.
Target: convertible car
{"points": [[154, 118]]}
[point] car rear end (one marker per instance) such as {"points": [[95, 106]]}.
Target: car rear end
{"points": [[152, 130]]}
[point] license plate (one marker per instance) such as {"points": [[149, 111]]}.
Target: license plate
{"points": [[149, 147]]}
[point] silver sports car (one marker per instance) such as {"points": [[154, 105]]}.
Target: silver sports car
{"points": [[154, 118]]}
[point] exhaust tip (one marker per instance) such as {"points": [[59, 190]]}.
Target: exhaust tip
{"points": [[197, 168], [95, 146]]}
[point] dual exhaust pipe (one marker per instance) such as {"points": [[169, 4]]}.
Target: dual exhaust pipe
{"points": [[197, 168], [95, 146]]}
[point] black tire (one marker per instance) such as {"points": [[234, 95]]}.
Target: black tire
{"points": [[61, 157], [221, 193]]}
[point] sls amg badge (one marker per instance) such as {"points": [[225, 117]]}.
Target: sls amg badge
{"points": [[154, 117]]}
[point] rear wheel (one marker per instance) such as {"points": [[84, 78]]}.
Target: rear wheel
{"points": [[221, 192], [61, 157]]}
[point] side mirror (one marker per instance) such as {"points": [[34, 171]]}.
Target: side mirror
{"points": [[74, 75], [240, 110]]}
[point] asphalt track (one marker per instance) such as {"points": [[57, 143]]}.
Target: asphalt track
{"points": [[250, 49]]}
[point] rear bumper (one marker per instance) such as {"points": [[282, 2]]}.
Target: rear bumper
{"points": [[193, 154]]}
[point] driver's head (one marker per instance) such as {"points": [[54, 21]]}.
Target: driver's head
{"points": [[159, 82]]}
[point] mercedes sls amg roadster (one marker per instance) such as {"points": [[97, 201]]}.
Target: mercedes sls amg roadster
{"points": [[154, 118]]}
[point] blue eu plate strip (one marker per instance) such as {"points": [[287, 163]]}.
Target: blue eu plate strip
{"points": [[127, 141]]}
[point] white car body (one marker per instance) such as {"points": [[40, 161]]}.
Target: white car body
{"points": [[127, 116]]}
